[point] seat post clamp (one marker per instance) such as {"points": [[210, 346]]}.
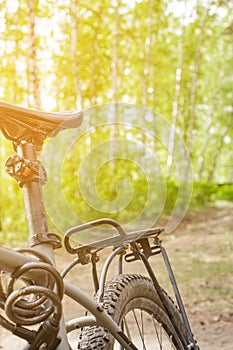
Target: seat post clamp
{"points": [[24, 170], [50, 238]]}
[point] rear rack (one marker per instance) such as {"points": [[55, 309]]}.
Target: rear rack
{"points": [[120, 240]]}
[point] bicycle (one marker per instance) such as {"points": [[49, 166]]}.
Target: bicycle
{"points": [[131, 311]]}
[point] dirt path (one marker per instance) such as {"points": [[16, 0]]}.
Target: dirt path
{"points": [[210, 250], [201, 252]]}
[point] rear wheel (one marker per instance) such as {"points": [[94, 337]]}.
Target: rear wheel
{"points": [[134, 304]]}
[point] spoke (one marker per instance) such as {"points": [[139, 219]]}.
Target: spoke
{"points": [[142, 323], [171, 342], [123, 326], [157, 333], [143, 340], [161, 333], [125, 323], [139, 330]]}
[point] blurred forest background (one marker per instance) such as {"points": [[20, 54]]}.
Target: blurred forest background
{"points": [[174, 57]]}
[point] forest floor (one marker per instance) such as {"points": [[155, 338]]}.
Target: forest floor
{"points": [[201, 252]]}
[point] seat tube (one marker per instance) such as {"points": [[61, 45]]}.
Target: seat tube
{"points": [[37, 222]]}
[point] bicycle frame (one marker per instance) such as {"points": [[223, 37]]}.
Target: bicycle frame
{"points": [[43, 243], [10, 262]]}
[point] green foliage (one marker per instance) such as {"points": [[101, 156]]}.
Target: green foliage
{"points": [[13, 218], [225, 192], [203, 193], [171, 196], [147, 53]]}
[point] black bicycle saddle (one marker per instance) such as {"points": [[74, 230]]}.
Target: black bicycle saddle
{"points": [[24, 124]]}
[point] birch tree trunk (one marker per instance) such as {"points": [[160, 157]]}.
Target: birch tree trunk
{"points": [[33, 68], [74, 50], [94, 70], [197, 65], [217, 152], [210, 124], [175, 105], [115, 55], [114, 113], [146, 69], [145, 76], [115, 71]]}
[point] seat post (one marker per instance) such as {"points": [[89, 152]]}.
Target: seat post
{"points": [[39, 236], [33, 197]]}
